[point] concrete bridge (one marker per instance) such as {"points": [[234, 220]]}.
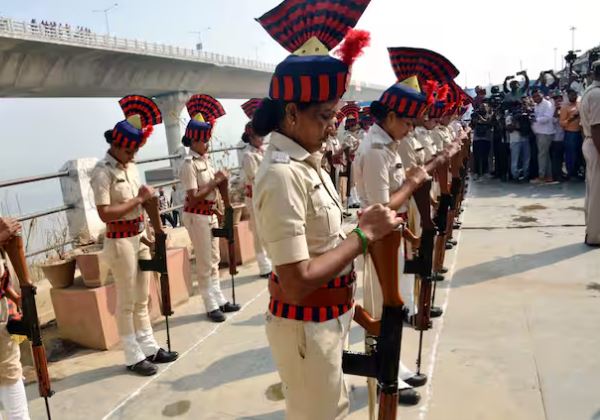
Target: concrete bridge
{"points": [[42, 62]]}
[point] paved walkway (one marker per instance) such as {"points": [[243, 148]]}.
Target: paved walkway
{"points": [[519, 339]]}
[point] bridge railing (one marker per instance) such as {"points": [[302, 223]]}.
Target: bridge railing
{"points": [[64, 208], [62, 34]]}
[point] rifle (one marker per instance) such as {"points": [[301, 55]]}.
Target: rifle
{"points": [[422, 266], [228, 232], [383, 363], [159, 262], [348, 175], [29, 325]]}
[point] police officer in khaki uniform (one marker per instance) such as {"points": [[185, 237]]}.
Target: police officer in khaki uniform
{"points": [[253, 157], [201, 183], [590, 121], [12, 389], [119, 198], [299, 216], [382, 172]]}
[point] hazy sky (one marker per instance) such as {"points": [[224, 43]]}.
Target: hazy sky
{"points": [[485, 40]]}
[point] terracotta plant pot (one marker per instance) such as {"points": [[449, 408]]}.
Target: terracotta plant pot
{"points": [[60, 273], [89, 266]]}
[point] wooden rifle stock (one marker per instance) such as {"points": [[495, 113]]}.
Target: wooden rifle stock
{"points": [[228, 232], [153, 209], [30, 322]]}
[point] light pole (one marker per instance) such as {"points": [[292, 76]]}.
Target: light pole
{"points": [[573, 29], [105, 11], [555, 52], [199, 46]]}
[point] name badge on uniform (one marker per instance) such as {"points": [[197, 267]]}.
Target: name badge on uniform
{"points": [[419, 149], [378, 146], [280, 157], [120, 180], [398, 165]]}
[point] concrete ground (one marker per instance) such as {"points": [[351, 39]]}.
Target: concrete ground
{"points": [[519, 338]]}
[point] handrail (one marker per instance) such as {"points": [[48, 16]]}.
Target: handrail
{"points": [[45, 212], [26, 180]]}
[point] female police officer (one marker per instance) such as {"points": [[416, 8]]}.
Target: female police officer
{"points": [[120, 197]]}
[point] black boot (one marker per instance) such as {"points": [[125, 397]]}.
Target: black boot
{"points": [[417, 380], [265, 275], [408, 396], [143, 368], [452, 241], [230, 307], [438, 277], [435, 312], [449, 246], [163, 356], [443, 270], [216, 316]]}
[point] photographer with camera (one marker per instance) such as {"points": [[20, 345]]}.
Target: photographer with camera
{"points": [[518, 126], [543, 84], [513, 96]]}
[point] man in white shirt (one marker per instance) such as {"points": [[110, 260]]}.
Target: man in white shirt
{"points": [[544, 130]]}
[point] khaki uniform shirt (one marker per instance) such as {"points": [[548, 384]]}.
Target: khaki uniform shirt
{"points": [[298, 211], [114, 183], [441, 137], [197, 171], [411, 152], [423, 137], [250, 163], [590, 108], [380, 167]]}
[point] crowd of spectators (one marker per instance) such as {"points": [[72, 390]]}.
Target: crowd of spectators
{"points": [[529, 132]]}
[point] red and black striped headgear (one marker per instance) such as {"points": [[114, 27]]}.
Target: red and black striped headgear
{"points": [[141, 114], [249, 107], [309, 29], [419, 72], [204, 111], [351, 111]]}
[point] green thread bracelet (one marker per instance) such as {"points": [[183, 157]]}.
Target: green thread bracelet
{"points": [[363, 239]]}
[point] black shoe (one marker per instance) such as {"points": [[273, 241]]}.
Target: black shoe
{"points": [[453, 242], [444, 270], [266, 275], [448, 246], [408, 396], [216, 316], [143, 368], [436, 312], [417, 380], [163, 356], [438, 277], [457, 226], [346, 214], [230, 307], [355, 206]]}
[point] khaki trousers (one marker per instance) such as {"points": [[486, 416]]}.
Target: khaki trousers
{"points": [[208, 255], [133, 321], [10, 356], [264, 264], [308, 356], [592, 191]]}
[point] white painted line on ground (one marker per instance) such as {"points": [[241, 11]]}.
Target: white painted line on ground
{"points": [[212, 332], [424, 409]]}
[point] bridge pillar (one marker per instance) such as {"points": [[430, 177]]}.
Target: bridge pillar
{"points": [[170, 106]]}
